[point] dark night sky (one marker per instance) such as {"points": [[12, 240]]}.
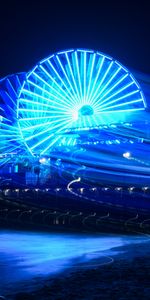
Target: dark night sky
{"points": [[32, 31]]}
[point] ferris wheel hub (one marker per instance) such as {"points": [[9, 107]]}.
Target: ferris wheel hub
{"points": [[86, 110]]}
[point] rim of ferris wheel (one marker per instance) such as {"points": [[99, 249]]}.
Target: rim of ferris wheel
{"points": [[76, 88]]}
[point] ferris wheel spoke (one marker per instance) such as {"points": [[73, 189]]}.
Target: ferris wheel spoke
{"points": [[118, 92], [40, 125], [31, 127], [122, 110], [45, 139], [84, 77], [78, 72], [14, 91], [123, 104], [67, 78], [52, 122], [34, 103], [52, 142], [115, 85], [62, 81], [58, 89], [42, 118], [19, 82], [48, 101], [73, 78], [101, 60], [35, 111], [107, 84], [91, 74], [120, 98], [50, 95], [101, 82], [36, 126], [41, 89], [8, 126], [51, 87], [45, 112], [11, 100], [48, 129], [96, 121]]}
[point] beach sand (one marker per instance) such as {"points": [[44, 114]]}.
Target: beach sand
{"points": [[122, 273]]}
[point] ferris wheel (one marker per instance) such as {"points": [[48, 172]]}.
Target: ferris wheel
{"points": [[73, 89], [10, 137]]}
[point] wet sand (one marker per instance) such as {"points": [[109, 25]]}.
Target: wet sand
{"points": [[122, 273]]}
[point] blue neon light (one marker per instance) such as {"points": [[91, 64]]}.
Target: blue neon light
{"points": [[10, 137], [73, 89], [70, 90]]}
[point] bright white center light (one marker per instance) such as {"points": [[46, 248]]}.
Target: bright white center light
{"points": [[127, 154], [42, 160], [75, 115]]}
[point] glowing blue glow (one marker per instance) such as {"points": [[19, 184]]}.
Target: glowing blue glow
{"points": [[86, 110], [74, 89], [30, 258], [10, 137]]}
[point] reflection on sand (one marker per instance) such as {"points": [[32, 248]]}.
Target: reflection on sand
{"points": [[24, 255]]}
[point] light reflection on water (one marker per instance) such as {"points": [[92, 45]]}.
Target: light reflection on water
{"points": [[24, 255]]}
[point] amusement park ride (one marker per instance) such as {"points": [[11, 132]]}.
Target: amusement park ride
{"points": [[78, 117]]}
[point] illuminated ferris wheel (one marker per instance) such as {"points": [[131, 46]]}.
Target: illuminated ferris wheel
{"points": [[10, 137], [73, 89]]}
